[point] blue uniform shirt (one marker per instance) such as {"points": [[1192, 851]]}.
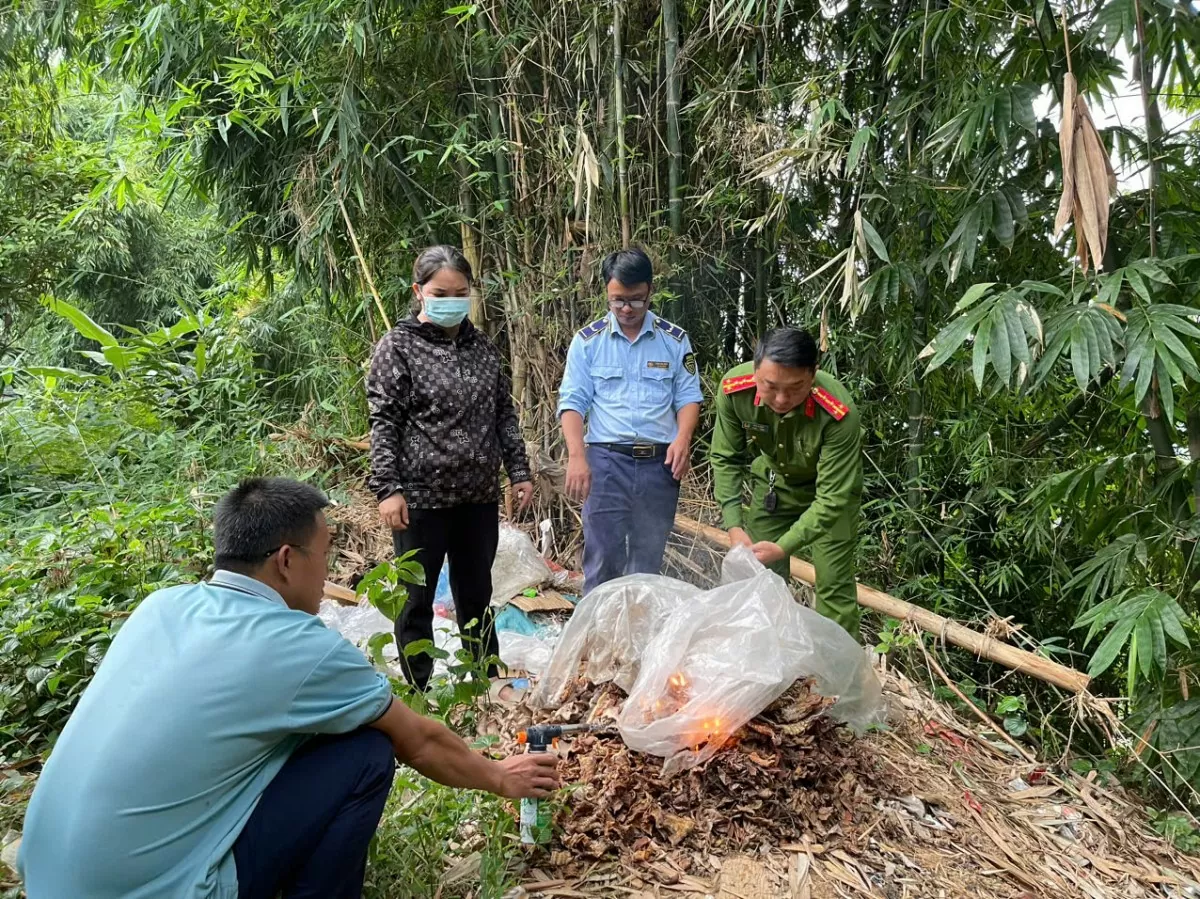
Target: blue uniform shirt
{"points": [[630, 392], [204, 694]]}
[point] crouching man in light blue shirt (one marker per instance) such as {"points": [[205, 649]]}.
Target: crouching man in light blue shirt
{"points": [[232, 746]]}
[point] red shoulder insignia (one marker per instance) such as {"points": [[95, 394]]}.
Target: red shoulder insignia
{"points": [[829, 403], [733, 385]]}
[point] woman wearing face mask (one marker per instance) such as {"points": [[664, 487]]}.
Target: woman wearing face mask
{"points": [[442, 421]]}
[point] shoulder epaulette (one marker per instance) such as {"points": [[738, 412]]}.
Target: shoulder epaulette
{"points": [[830, 403], [741, 382], [597, 327], [667, 328]]}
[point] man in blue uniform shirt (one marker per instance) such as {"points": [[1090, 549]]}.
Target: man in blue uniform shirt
{"points": [[232, 747], [632, 377]]}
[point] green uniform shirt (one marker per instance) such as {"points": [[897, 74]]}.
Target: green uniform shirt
{"points": [[816, 456]]}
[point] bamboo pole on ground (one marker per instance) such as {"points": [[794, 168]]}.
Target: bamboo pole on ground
{"points": [[953, 632]]}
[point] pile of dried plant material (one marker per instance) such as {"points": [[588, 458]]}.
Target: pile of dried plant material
{"points": [[361, 537], [794, 805], [787, 773]]}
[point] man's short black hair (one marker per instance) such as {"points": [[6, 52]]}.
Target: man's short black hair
{"points": [[630, 267], [260, 515], [790, 347]]}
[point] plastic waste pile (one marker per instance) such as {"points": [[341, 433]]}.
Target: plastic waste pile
{"points": [[698, 664]]}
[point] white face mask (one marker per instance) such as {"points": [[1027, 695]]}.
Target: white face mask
{"points": [[446, 312]]}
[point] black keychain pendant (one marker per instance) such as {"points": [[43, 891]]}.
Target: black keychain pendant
{"points": [[771, 500]]}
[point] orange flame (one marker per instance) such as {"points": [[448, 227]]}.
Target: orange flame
{"points": [[678, 680]]}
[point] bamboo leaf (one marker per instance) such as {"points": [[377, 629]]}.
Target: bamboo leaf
{"points": [[1108, 650], [858, 144], [1001, 348], [983, 340], [1079, 358], [1002, 223], [973, 294], [875, 241]]}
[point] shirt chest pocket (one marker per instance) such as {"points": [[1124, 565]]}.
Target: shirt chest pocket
{"points": [[608, 381], [656, 383], [804, 451]]}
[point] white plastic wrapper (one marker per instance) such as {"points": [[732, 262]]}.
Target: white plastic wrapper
{"points": [[518, 565], [530, 653], [360, 623], [706, 662], [611, 628]]}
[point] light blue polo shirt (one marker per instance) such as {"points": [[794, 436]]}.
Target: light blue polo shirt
{"points": [[204, 694], [630, 391]]}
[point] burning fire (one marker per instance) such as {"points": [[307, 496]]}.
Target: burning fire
{"points": [[678, 680]]}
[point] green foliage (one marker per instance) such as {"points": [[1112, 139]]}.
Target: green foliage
{"points": [[65, 587], [1180, 829], [384, 584], [1145, 619]]}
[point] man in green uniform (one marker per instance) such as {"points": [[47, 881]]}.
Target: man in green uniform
{"points": [[791, 432]]}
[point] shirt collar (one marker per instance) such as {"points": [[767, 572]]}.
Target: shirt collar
{"points": [[234, 581], [614, 326]]}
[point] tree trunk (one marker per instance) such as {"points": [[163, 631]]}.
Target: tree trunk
{"points": [[674, 141], [619, 115]]}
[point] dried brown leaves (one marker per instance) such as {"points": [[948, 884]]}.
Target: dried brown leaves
{"points": [[1088, 178], [789, 773]]}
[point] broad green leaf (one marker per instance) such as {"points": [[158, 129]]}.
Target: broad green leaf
{"points": [[81, 320]]}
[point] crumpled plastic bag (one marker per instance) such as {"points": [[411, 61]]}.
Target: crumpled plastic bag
{"points": [[703, 663], [517, 567], [361, 622], [611, 628], [530, 653]]}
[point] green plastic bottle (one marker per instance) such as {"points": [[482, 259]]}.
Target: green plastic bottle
{"points": [[535, 822]]}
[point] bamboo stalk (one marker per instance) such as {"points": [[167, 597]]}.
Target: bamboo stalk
{"points": [[870, 598], [674, 142], [619, 115], [363, 262]]}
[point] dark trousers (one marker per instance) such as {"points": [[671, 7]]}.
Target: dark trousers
{"points": [[466, 535], [627, 517], [308, 836]]}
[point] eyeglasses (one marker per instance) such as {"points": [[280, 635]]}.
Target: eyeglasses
{"points": [[632, 304], [330, 553]]}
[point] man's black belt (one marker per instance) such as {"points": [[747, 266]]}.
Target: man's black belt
{"points": [[636, 450]]}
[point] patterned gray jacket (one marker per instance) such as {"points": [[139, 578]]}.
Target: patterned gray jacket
{"points": [[442, 417]]}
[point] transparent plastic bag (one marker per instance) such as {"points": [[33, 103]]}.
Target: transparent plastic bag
{"points": [[611, 628], [517, 567], [705, 662], [530, 653], [358, 624]]}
